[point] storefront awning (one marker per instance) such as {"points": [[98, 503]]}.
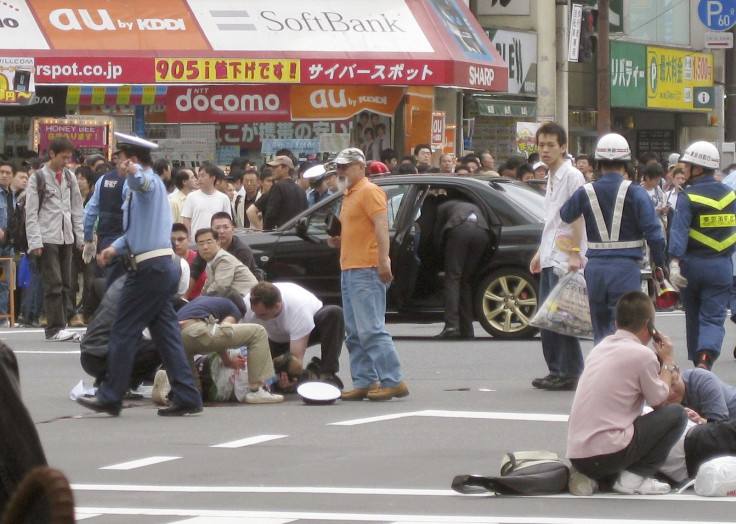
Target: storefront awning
{"points": [[327, 42]]}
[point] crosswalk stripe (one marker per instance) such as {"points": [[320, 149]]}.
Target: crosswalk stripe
{"points": [[248, 441], [133, 464]]}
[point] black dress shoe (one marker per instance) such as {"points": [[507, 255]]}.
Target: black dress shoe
{"points": [[449, 333], [179, 411], [539, 383], [97, 405], [563, 384]]}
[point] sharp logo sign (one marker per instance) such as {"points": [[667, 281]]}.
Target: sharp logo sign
{"points": [[77, 19]]}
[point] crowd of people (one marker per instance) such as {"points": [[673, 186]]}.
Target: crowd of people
{"points": [[160, 311]]}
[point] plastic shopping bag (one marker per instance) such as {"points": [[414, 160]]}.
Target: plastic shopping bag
{"points": [[566, 310]]}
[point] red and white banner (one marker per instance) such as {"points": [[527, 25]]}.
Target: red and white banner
{"points": [[257, 103], [197, 42]]}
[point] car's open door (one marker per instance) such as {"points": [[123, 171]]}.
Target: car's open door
{"points": [[404, 239]]}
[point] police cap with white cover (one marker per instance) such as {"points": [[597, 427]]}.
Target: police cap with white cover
{"points": [[702, 154], [612, 147], [133, 141]]}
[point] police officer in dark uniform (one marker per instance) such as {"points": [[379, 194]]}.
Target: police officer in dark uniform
{"points": [[462, 233], [152, 280], [618, 217], [702, 240], [106, 205]]}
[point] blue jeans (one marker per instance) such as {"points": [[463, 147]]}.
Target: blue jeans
{"points": [[608, 278], [562, 352], [373, 356], [145, 301], [32, 302], [705, 300]]}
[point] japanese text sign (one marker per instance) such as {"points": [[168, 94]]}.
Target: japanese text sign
{"points": [[674, 76]]}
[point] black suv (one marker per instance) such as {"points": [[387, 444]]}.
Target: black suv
{"points": [[505, 294]]}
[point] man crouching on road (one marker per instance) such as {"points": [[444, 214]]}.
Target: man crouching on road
{"points": [[608, 439]]}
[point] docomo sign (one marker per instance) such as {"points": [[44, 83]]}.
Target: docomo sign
{"points": [[228, 104]]}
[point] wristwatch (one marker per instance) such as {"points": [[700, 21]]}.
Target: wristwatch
{"points": [[671, 369]]}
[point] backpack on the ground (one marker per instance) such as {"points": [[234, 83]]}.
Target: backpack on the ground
{"points": [[522, 473]]}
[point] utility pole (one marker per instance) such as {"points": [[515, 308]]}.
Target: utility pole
{"points": [[730, 91], [602, 66]]}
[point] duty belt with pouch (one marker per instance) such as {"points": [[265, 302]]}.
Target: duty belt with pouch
{"points": [[131, 261]]}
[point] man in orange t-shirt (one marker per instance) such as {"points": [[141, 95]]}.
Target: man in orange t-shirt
{"points": [[366, 275]]}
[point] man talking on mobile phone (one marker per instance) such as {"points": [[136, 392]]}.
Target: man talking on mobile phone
{"points": [[609, 441]]}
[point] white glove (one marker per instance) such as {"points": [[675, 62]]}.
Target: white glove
{"points": [[676, 279], [90, 250]]}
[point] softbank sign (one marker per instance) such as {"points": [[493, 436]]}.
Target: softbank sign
{"points": [[228, 104], [319, 25]]}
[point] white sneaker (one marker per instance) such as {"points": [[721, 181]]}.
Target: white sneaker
{"points": [[580, 484], [161, 388], [61, 336], [631, 483], [262, 396]]}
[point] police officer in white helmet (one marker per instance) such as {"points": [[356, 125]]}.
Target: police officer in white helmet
{"points": [[702, 240], [619, 216]]}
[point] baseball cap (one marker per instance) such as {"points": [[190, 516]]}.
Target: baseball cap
{"points": [[133, 141], [281, 160], [672, 160], [539, 164], [349, 155]]}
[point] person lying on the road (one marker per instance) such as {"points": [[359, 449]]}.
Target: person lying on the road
{"points": [[210, 324], [702, 391]]}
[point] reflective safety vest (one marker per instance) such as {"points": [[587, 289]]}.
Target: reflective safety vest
{"points": [[609, 240], [713, 224]]}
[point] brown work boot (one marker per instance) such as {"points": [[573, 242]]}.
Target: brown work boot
{"points": [[398, 391], [359, 393], [77, 320]]}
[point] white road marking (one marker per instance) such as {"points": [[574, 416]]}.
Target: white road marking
{"points": [[263, 489], [287, 516], [86, 516], [46, 352], [392, 492], [537, 417], [233, 520], [133, 464], [248, 441]]}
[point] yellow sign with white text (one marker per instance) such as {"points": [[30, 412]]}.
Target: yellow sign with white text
{"points": [[214, 70], [675, 76]]}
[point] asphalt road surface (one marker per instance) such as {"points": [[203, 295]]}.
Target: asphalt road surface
{"points": [[388, 462]]}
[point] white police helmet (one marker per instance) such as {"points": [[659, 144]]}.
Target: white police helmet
{"points": [[612, 147], [702, 154]]}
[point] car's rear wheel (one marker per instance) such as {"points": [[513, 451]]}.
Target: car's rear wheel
{"points": [[505, 303]]}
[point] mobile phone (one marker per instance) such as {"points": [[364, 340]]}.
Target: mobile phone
{"points": [[655, 334]]}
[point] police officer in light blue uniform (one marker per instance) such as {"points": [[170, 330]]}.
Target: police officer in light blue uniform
{"points": [[151, 282], [619, 216], [702, 240]]}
